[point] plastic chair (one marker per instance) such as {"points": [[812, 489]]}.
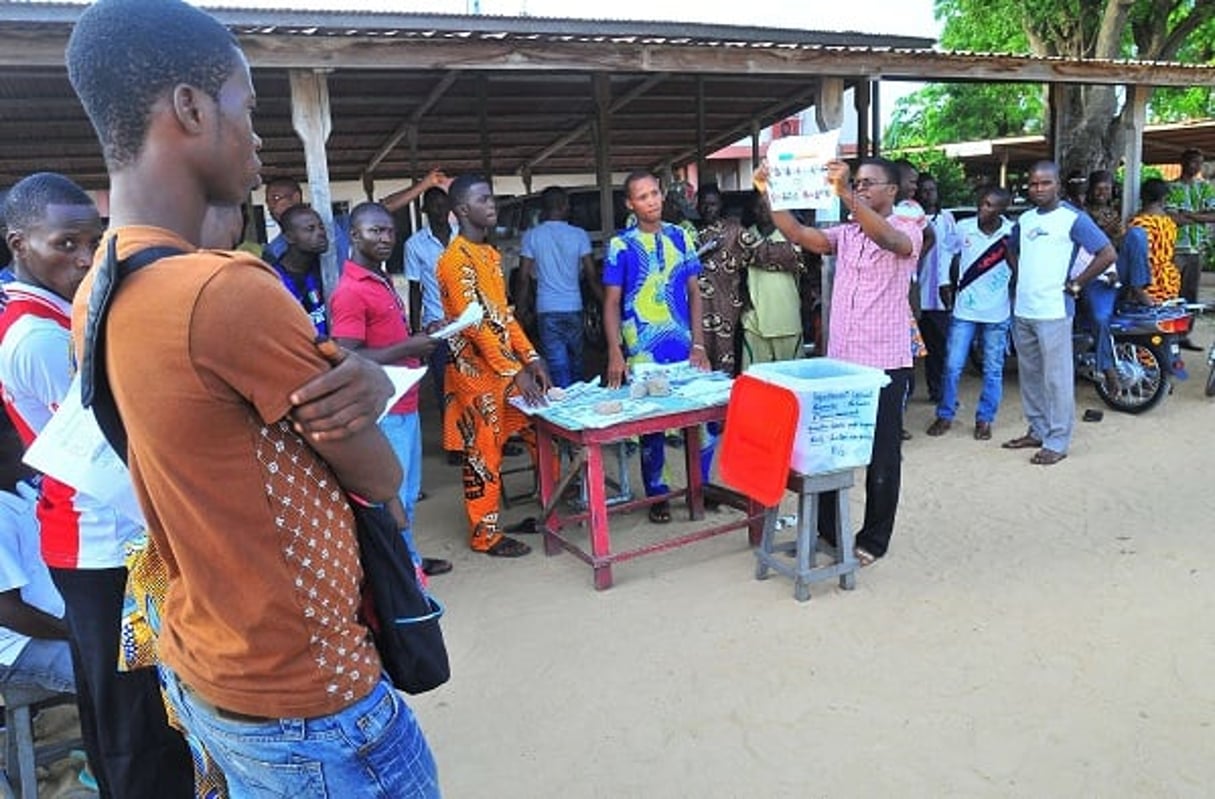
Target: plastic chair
{"points": [[20, 704]]}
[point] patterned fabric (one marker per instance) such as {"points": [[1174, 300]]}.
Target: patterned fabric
{"points": [[1109, 220], [1196, 195], [147, 582], [721, 291], [1161, 236], [653, 270], [479, 379]]}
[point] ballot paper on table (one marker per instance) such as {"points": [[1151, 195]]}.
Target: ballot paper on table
{"points": [[797, 171], [472, 315], [73, 450], [403, 378]]}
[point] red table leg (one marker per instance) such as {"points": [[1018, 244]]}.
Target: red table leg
{"points": [[548, 468], [691, 448], [596, 497]]}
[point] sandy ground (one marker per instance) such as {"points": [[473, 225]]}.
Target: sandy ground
{"points": [[1034, 632]]}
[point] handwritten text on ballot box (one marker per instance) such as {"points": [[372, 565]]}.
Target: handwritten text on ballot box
{"points": [[838, 410]]}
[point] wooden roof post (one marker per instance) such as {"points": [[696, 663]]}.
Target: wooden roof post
{"points": [[861, 101], [875, 124], [755, 159], [702, 163], [487, 162], [1054, 132], [602, 82], [310, 116], [1135, 121]]}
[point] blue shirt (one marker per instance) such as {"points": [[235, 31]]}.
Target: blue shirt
{"points": [[653, 270], [422, 251], [557, 247]]}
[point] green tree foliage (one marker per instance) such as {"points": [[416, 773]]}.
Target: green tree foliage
{"points": [[952, 187], [1146, 29]]}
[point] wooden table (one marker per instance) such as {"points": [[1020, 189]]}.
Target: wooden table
{"points": [[589, 462]]}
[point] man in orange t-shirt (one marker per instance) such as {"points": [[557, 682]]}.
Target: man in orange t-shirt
{"points": [[264, 656], [490, 362]]}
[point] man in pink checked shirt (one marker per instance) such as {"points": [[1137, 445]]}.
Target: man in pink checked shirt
{"points": [[876, 255]]}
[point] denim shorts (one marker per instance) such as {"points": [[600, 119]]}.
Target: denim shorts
{"points": [[373, 748]]}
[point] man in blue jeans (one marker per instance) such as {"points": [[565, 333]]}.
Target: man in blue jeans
{"points": [[980, 303], [242, 476], [556, 254]]}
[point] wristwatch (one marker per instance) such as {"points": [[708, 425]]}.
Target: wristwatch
{"points": [[1073, 288]]}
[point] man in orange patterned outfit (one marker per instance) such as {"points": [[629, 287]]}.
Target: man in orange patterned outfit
{"points": [[490, 362]]}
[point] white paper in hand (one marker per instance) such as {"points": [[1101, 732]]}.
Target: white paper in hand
{"points": [[403, 378], [797, 171], [73, 450], [472, 315]]}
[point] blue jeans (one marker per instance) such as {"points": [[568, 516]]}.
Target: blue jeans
{"points": [[561, 344], [372, 748], [405, 435], [1099, 299], [44, 663], [995, 344]]}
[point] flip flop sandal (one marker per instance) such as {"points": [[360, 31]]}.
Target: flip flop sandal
{"points": [[864, 557], [525, 527], [1024, 442], [433, 566], [660, 512], [508, 548]]}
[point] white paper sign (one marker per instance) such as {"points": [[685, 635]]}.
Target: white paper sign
{"points": [[797, 171], [73, 450]]}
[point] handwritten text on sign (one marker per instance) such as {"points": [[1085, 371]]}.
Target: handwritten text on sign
{"points": [[839, 425]]}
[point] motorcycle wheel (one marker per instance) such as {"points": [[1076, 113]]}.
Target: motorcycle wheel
{"points": [[1211, 382], [1144, 383]]}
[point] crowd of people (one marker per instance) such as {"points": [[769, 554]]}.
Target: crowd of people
{"points": [[245, 432]]}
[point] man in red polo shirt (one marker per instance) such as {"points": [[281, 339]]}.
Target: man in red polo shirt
{"points": [[370, 317]]}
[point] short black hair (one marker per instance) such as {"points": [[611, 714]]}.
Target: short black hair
{"points": [[890, 168], [365, 209], [288, 216], [925, 177], [1190, 152], [283, 181], [638, 175], [1051, 167], [903, 166], [553, 199], [997, 193], [707, 189], [124, 55], [461, 186], [27, 201], [1153, 190], [431, 195]]}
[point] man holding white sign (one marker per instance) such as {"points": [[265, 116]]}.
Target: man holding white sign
{"points": [[876, 256]]}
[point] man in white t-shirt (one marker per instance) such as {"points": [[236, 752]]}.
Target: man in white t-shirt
{"points": [[1045, 243], [981, 306], [33, 635]]}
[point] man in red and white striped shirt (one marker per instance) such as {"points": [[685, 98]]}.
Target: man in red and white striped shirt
{"points": [[875, 258], [53, 230]]}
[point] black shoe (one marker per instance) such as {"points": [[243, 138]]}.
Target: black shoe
{"points": [[433, 566], [1186, 344]]}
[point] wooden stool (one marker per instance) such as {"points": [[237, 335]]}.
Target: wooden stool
{"points": [[771, 555], [22, 758]]}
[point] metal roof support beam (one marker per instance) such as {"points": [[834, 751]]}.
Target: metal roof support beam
{"points": [[312, 120], [1135, 122], [583, 129], [766, 116], [436, 93]]}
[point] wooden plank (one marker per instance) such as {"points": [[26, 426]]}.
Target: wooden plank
{"points": [[603, 150], [1134, 123], [310, 116], [584, 128], [436, 93]]}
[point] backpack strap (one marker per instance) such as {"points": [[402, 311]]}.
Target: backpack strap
{"points": [[95, 389]]}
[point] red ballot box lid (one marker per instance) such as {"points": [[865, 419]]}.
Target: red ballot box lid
{"points": [[761, 423]]}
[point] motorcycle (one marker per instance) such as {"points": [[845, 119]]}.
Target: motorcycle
{"points": [[1147, 353]]}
